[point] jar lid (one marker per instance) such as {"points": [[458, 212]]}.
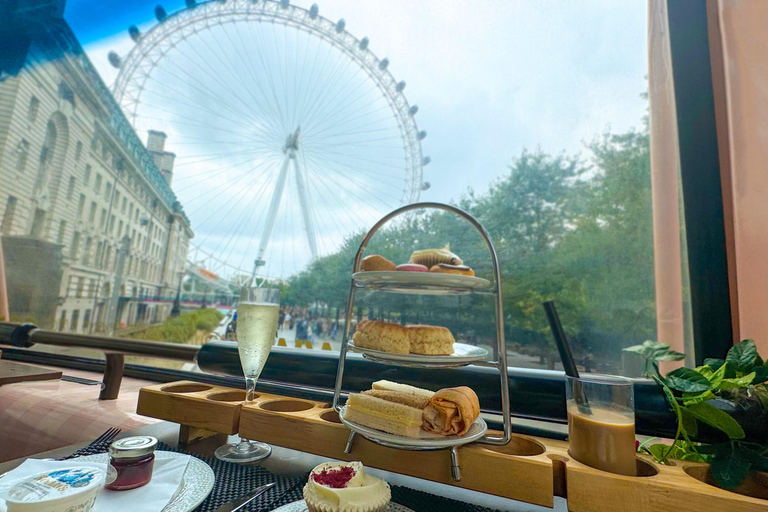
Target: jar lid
{"points": [[131, 447]]}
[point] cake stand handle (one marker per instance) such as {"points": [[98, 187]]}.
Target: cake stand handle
{"points": [[455, 468], [350, 442]]}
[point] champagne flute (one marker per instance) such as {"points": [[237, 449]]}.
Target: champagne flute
{"points": [[257, 312]]}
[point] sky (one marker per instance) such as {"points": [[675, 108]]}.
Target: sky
{"points": [[490, 77]]}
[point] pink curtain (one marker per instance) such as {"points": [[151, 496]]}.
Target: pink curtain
{"points": [[739, 53]]}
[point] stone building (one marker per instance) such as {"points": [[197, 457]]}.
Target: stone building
{"points": [[91, 230]]}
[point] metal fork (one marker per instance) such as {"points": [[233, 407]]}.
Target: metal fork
{"points": [[107, 437]]}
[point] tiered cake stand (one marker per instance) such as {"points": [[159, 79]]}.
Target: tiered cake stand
{"points": [[429, 284]]}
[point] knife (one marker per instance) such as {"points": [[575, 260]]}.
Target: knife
{"points": [[239, 503]]}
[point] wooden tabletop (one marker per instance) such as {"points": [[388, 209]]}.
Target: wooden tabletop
{"points": [[11, 372]]}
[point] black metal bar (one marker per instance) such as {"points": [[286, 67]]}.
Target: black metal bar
{"points": [[27, 335], [700, 175]]}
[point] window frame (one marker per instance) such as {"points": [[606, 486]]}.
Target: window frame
{"points": [[542, 391]]}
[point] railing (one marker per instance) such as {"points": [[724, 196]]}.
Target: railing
{"points": [[115, 350]]}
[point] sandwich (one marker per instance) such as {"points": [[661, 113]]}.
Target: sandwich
{"points": [[390, 407]]}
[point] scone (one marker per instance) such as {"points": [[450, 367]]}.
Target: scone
{"points": [[431, 340], [382, 336], [345, 487], [375, 262]]}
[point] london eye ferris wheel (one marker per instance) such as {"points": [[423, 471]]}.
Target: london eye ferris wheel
{"points": [[289, 132]]}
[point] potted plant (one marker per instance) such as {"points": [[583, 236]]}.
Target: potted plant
{"points": [[722, 401]]}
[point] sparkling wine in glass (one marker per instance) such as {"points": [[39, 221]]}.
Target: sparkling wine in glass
{"points": [[257, 314]]}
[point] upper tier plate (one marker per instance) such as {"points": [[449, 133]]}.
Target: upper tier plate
{"points": [[421, 282], [463, 355], [426, 441]]}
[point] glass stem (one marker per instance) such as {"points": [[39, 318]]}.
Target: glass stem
{"points": [[250, 386]]}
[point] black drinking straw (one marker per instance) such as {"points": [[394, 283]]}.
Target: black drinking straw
{"points": [[569, 365]]}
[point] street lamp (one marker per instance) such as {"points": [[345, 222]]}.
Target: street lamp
{"points": [[176, 309]]}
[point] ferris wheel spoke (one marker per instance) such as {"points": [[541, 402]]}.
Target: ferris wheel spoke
{"points": [[272, 114], [234, 203], [208, 192], [199, 177], [208, 157], [310, 92], [348, 99], [197, 84], [216, 74], [270, 80], [223, 171], [350, 179], [325, 87]]}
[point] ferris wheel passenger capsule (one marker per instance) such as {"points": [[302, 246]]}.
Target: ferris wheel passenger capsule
{"points": [[340, 25], [426, 160], [384, 63], [134, 32], [313, 11], [160, 13], [422, 134], [400, 86], [114, 59], [412, 111], [363, 43], [285, 3], [191, 4]]}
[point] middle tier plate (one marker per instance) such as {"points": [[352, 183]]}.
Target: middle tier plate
{"points": [[426, 441], [463, 355]]}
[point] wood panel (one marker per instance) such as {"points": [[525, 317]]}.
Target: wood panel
{"points": [[528, 469]]}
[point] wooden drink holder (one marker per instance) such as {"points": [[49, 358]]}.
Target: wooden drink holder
{"points": [[522, 468], [529, 469]]}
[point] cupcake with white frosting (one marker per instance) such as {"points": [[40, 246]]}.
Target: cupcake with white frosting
{"points": [[345, 487]]}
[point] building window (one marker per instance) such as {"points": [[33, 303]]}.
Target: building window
{"points": [[75, 245], [66, 93], [103, 219], [107, 190], [87, 251], [97, 184], [71, 187], [63, 320], [117, 197], [111, 224], [62, 232], [80, 206], [87, 176], [22, 153], [75, 320], [120, 229], [92, 212], [99, 247], [125, 202], [34, 106], [10, 211], [86, 319], [78, 151], [38, 223]]}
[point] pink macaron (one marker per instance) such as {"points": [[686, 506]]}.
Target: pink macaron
{"points": [[412, 267]]}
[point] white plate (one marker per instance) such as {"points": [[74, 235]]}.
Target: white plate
{"points": [[301, 506], [421, 282], [196, 485], [425, 441], [463, 355]]}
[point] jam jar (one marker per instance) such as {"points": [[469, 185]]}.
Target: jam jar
{"points": [[130, 462]]}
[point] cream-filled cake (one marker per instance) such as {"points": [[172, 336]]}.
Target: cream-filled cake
{"points": [[345, 487]]}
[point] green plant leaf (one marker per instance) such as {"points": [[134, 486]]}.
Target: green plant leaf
{"points": [[714, 363], [714, 377], [758, 461], [687, 380], [689, 421], [740, 382], [658, 451], [695, 398], [668, 355], [761, 375], [762, 394], [714, 417], [637, 349], [729, 467], [743, 356]]}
